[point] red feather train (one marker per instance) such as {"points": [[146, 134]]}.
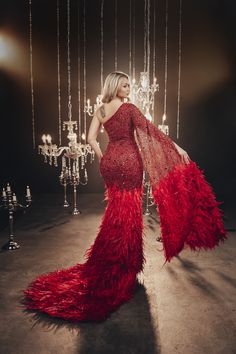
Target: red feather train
{"points": [[92, 290]]}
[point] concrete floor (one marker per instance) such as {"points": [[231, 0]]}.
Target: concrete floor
{"points": [[187, 306]]}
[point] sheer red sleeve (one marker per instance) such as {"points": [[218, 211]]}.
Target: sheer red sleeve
{"points": [[188, 210]]}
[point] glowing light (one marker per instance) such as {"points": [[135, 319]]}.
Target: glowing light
{"points": [[12, 53], [5, 49]]}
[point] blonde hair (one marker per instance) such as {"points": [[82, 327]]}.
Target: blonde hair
{"points": [[111, 85]]}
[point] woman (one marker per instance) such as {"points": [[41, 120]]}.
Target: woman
{"points": [[188, 211]]}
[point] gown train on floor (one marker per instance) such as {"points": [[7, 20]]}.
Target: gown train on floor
{"points": [[188, 210]]}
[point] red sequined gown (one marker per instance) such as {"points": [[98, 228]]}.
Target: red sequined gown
{"points": [[189, 216]]}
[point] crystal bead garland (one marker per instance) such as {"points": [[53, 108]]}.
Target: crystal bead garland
{"points": [[74, 156], [89, 109], [179, 65], [31, 74], [58, 73], [163, 126]]}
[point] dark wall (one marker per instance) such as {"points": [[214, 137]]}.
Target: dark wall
{"points": [[207, 114]]}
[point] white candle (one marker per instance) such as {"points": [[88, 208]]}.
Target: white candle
{"points": [[163, 118], [14, 197], [49, 138], [88, 102], [44, 138], [4, 192], [28, 191], [8, 187]]}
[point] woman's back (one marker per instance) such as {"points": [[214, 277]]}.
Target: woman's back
{"points": [[121, 162]]}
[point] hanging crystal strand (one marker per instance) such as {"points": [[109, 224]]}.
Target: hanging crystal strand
{"points": [[179, 65], [102, 38], [159, 239], [145, 36], [115, 35], [130, 38], [166, 57], [84, 137], [78, 65], [134, 40], [154, 52], [68, 62], [148, 200], [148, 38], [58, 72], [31, 73]]}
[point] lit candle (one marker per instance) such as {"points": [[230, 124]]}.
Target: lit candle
{"points": [[28, 191], [14, 197], [83, 136], [44, 138], [49, 139], [88, 102], [4, 192], [163, 118], [8, 187]]}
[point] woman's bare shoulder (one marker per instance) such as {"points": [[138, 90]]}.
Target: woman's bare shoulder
{"points": [[98, 111]]}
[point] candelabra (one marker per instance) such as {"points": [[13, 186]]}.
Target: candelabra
{"points": [[91, 109], [77, 155], [9, 202], [74, 150], [142, 94]]}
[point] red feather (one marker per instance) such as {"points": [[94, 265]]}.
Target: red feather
{"points": [[91, 291]]}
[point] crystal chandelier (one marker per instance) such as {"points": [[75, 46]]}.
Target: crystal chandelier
{"points": [[74, 156], [142, 94]]}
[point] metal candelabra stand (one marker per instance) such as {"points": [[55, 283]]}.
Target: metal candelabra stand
{"points": [[9, 202], [149, 201], [70, 175]]}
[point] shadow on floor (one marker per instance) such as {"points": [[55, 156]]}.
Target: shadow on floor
{"points": [[130, 329]]}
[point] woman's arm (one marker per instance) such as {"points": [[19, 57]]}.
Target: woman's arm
{"points": [[92, 136], [182, 152]]}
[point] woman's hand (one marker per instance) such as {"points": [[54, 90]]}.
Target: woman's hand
{"points": [[184, 156], [100, 158]]}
